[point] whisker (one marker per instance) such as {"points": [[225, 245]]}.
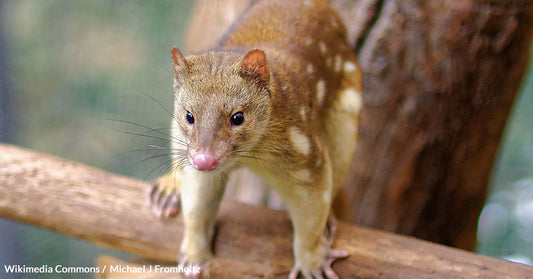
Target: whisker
{"points": [[181, 154], [160, 104], [155, 147], [161, 167], [153, 157], [140, 134], [159, 130], [151, 136], [137, 150], [155, 153]]}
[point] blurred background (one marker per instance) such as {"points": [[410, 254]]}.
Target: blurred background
{"points": [[88, 80], [74, 76]]}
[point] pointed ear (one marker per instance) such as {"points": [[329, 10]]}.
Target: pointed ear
{"points": [[254, 66], [180, 65]]}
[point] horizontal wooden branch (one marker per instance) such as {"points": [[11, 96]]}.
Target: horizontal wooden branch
{"points": [[251, 242]]}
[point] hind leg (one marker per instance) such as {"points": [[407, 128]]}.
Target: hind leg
{"points": [[341, 132]]}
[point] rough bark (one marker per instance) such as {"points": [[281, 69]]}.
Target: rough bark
{"points": [[439, 81], [251, 242]]}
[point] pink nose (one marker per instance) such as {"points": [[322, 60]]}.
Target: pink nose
{"points": [[204, 161]]}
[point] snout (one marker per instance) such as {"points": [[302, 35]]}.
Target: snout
{"points": [[204, 161]]}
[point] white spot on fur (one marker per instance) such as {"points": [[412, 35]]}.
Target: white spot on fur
{"points": [[310, 69], [320, 91], [303, 175], [326, 197], [299, 141], [323, 47], [349, 67], [308, 40], [303, 113], [308, 3], [284, 87], [350, 100], [338, 63]]}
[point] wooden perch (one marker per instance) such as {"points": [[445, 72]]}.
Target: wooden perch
{"points": [[251, 242]]}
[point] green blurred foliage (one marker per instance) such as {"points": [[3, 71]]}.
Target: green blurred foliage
{"points": [[506, 223], [515, 160], [80, 65]]}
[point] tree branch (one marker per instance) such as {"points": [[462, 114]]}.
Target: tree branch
{"points": [[251, 242]]}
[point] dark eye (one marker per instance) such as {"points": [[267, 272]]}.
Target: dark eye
{"points": [[189, 118], [237, 119]]}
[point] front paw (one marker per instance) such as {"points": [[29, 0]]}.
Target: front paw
{"points": [[191, 270], [163, 197], [325, 270]]}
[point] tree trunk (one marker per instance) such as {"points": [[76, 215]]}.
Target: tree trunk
{"points": [[439, 81]]}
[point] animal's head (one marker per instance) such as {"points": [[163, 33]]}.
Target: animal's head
{"points": [[222, 106]]}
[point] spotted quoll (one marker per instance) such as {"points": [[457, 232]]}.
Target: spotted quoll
{"points": [[280, 95]]}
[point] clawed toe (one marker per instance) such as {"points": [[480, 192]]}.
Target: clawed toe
{"points": [[173, 207], [192, 272], [164, 203], [325, 271]]}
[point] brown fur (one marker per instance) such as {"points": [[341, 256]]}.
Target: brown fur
{"points": [[286, 66]]}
